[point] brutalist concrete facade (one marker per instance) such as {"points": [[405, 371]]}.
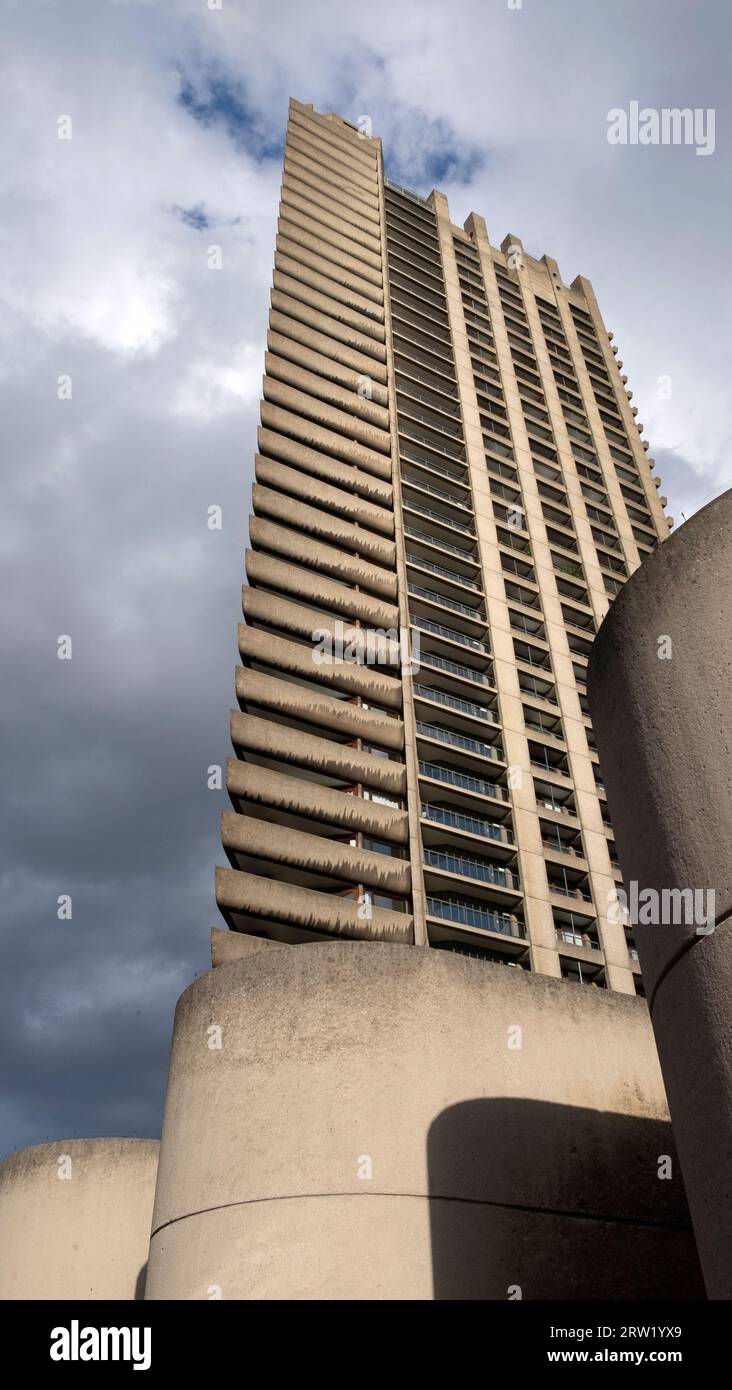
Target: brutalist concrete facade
{"points": [[450, 488], [449, 461]]}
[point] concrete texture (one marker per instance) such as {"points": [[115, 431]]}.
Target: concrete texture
{"points": [[299, 702], [228, 946], [290, 795], [306, 550], [371, 1133], [664, 732], [271, 649], [328, 594], [75, 1219], [262, 840], [293, 746], [321, 524], [321, 465], [249, 901]]}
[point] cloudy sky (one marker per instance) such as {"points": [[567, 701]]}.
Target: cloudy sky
{"points": [[177, 114]]}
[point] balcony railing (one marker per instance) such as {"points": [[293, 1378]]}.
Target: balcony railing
{"points": [[559, 847], [452, 603], [414, 351], [469, 915], [474, 825], [456, 703], [409, 279], [463, 780], [567, 892], [479, 869], [463, 526], [418, 313], [545, 766], [409, 193], [408, 389], [528, 660], [575, 938], [434, 467], [452, 407], [467, 673], [469, 745], [441, 545], [529, 627], [450, 633], [442, 570], [514, 542], [559, 806], [440, 446], [450, 497], [534, 692]]}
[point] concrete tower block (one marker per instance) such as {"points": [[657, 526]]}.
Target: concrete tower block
{"points": [[660, 689], [350, 1121], [75, 1219]]}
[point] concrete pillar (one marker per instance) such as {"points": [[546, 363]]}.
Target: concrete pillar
{"points": [[351, 1120], [660, 690], [75, 1219]]}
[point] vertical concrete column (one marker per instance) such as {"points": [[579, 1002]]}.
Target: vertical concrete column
{"points": [[660, 690], [360, 1121], [75, 1219], [540, 931], [612, 938], [537, 908], [638, 450], [409, 716]]}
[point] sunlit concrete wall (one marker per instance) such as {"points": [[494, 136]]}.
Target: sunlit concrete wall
{"points": [[661, 698], [371, 1121], [75, 1219]]}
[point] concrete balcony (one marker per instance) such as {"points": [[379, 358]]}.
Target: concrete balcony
{"points": [[273, 743], [286, 912], [300, 857], [344, 505], [264, 650], [287, 799], [258, 691], [299, 546]]}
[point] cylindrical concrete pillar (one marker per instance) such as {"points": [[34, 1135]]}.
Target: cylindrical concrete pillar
{"points": [[660, 689], [75, 1219], [373, 1121]]}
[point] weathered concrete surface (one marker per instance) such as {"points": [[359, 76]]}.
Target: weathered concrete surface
{"points": [[228, 946], [664, 732], [82, 1236], [370, 1133]]}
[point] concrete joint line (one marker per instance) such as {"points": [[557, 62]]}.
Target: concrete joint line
{"points": [[604, 1218], [682, 951]]}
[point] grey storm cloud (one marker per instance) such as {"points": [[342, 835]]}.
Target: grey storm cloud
{"points": [[177, 117]]}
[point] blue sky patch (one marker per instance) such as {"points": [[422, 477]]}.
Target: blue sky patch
{"points": [[218, 100], [193, 217], [424, 154]]}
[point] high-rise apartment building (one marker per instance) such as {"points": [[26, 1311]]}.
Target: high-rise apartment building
{"points": [[451, 487]]}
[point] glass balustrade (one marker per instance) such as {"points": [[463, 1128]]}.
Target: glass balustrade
{"points": [[450, 633], [452, 778], [456, 703], [442, 815], [478, 869], [469, 745], [469, 915]]}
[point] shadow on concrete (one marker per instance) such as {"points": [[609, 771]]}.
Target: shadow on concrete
{"points": [[140, 1283], [559, 1202]]}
